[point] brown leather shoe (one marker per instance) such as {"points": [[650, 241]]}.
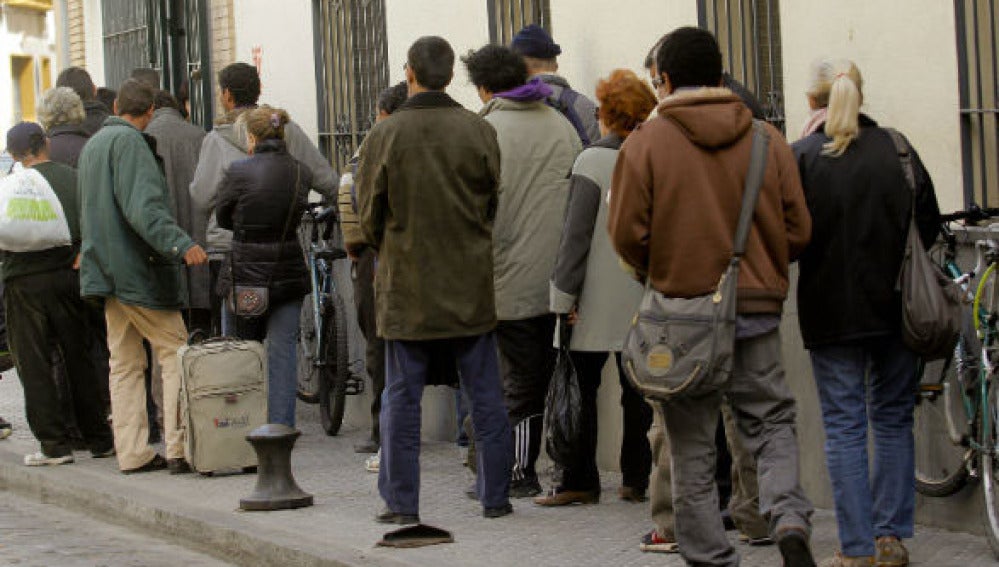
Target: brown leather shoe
{"points": [[566, 497], [890, 552], [157, 463]]}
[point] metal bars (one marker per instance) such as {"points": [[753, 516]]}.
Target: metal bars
{"points": [[748, 33], [129, 42], [507, 17], [977, 30], [351, 71], [170, 36]]}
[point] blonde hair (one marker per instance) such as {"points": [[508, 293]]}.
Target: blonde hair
{"points": [[59, 106], [837, 86], [266, 123]]}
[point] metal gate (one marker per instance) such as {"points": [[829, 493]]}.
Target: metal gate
{"points": [[351, 70], [748, 32], [170, 36], [507, 17]]}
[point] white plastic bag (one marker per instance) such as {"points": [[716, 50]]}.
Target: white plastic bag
{"points": [[31, 216]]}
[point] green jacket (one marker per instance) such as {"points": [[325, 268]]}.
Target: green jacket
{"points": [[427, 186], [132, 248]]}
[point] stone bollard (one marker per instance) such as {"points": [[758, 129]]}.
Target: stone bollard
{"points": [[276, 488]]}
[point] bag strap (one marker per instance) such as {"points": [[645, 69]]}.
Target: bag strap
{"points": [[751, 192], [287, 222], [908, 169]]}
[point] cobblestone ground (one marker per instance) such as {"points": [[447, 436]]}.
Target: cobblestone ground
{"points": [[43, 535], [346, 499]]}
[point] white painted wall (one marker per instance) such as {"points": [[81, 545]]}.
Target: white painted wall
{"points": [[28, 33], [284, 35], [598, 36], [463, 23], [94, 44], [908, 57]]}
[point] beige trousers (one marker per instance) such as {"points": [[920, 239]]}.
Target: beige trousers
{"points": [[165, 331]]}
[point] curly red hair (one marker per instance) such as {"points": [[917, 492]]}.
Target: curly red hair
{"points": [[625, 101]]}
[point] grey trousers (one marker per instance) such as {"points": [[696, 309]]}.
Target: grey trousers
{"points": [[764, 413]]}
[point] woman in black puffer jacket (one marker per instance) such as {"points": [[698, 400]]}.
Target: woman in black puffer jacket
{"points": [[261, 200]]}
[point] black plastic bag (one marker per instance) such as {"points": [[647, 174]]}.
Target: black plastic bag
{"points": [[563, 411]]}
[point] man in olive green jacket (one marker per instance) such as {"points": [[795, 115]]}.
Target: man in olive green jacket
{"points": [[427, 188], [131, 257]]}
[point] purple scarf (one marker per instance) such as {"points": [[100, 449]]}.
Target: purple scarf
{"points": [[533, 90]]}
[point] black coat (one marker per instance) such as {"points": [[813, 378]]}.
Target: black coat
{"points": [[66, 141], [254, 201], [860, 205]]}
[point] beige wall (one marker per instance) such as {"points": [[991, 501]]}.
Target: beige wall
{"points": [[597, 36], [288, 72], [464, 23], [907, 52]]}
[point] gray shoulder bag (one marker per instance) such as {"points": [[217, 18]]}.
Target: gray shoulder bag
{"points": [[684, 347]]}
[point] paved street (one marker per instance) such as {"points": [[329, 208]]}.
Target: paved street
{"points": [[338, 530], [45, 535]]}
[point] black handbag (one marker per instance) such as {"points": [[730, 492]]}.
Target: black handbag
{"points": [[250, 301], [686, 346]]}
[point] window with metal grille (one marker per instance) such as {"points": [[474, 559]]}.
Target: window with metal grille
{"points": [[507, 17], [351, 71], [131, 38], [977, 30], [748, 33], [170, 36]]}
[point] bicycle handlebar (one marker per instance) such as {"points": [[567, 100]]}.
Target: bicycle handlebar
{"points": [[974, 214], [319, 212]]}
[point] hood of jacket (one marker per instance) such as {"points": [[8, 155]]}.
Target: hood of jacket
{"points": [[709, 117], [232, 127], [497, 103], [533, 90]]}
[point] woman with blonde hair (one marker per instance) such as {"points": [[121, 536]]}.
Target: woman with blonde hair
{"points": [[261, 200], [851, 313], [597, 298], [61, 113]]}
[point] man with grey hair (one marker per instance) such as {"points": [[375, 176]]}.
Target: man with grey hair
{"points": [[78, 79], [61, 113]]}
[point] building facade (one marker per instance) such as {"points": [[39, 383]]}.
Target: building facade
{"points": [[929, 69], [27, 58]]}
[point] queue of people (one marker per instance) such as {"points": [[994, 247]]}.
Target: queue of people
{"points": [[476, 237]]}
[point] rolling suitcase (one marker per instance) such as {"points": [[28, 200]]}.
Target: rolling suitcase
{"points": [[223, 397]]}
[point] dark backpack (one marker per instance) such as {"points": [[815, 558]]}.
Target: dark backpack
{"points": [[565, 103]]}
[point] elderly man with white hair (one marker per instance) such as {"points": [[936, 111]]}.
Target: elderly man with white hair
{"points": [[61, 113]]}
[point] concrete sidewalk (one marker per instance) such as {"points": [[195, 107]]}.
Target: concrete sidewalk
{"points": [[202, 512]]}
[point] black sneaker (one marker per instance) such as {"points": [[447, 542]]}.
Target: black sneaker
{"points": [[157, 463], [387, 516], [527, 487], [793, 545], [498, 512]]}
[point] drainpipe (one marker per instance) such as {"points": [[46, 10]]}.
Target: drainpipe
{"points": [[62, 32]]}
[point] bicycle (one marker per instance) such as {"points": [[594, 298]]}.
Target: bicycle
{"points": [[957, 403], [323, 355]]}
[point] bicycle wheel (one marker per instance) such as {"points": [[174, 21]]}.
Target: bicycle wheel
{"points": [[940, 417], [333, 387], [308, 373], [990, 469]]}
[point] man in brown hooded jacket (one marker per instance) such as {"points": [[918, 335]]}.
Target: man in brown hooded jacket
{"points": [[677, 195]]}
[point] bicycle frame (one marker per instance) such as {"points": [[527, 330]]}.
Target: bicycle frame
{"points": [[323, 286]]}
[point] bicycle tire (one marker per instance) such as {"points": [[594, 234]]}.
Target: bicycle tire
{"points": [[333, 387], [990, 470], [308, 375], [941, 465]]}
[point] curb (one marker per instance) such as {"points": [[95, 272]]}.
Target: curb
{"points": [[219, 534]]}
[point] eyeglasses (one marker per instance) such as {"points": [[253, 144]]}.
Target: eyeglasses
{"points": [[657, 82], [596, 113]]}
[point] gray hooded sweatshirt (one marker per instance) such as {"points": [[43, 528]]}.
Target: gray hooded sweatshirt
{"points": [[226, 144]]}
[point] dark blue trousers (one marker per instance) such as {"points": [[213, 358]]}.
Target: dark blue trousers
{"points": [[406, 364]]}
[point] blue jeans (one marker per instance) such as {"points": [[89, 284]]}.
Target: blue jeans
{"points": [[406, 364], [280, 327], [869, 505]]}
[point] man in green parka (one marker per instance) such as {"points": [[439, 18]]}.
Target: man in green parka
{"points": [[131, 258]]}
